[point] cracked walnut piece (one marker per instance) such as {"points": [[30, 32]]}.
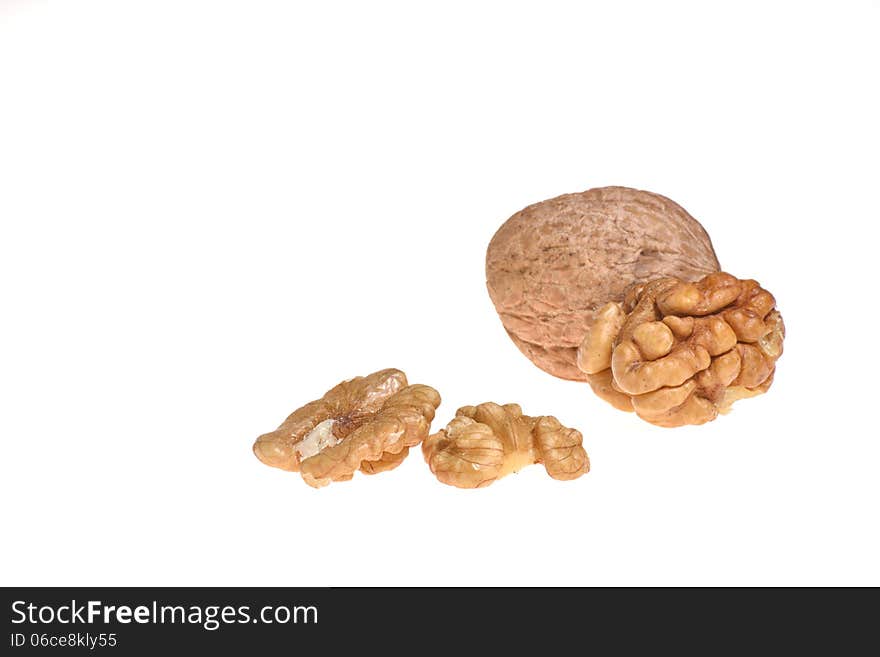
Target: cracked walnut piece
{"points": [[679, 353], [367, 423], [486, 442]]}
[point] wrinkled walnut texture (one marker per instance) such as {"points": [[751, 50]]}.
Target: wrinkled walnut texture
{"points": [[552, 265], [678, 353], [375, 420], [486, 442]]}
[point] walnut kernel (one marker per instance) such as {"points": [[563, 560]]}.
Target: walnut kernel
{"points": [[367, 423], [678, 353], [487, 442]]}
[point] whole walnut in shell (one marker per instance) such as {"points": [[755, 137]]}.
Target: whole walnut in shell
{"points": [[552, 265], [367, 423], [486, 442], [679, 353]]}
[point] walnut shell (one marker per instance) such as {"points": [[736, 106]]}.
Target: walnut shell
{"points": [[486, 442], [367, 423], [679, 353], [552, 265]]}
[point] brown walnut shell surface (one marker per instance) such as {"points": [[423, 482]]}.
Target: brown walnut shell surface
{"points": [[679, 352], [486, 442], [552, 265], [367, 423]]}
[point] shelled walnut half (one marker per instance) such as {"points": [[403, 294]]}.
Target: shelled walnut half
{"points": [[486, 442], [367, 423], [678, 353]]}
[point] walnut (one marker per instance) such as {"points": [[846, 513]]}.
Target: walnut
{"points": [[367, 423], [551, 266], [486, 442], [678, 353]]}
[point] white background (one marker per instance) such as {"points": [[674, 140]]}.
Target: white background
{"points": [[213, 211]]}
